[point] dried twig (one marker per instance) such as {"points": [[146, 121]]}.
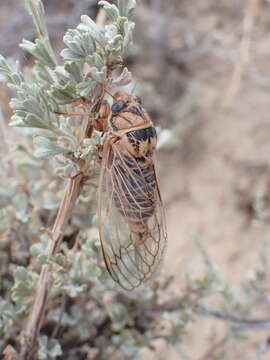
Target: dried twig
{"points": [[29, 337], [186, 300], [244, 57], [241, 320]]}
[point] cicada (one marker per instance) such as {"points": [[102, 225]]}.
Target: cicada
{"points": [[131, 215]]}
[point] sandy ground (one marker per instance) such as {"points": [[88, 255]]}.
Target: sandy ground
{"points": [[212, 192]]}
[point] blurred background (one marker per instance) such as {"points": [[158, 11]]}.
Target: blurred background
{"points": [[202, 69]]}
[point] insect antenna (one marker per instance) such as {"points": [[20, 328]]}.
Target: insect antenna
{"points": [[72, 113], [114, 98]]}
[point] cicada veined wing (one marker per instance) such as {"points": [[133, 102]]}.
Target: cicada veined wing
{"points": [[131, 216]]}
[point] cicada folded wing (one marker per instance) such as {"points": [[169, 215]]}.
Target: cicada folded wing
{"points": [[131, 217]]}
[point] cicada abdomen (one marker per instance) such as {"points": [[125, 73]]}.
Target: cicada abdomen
{"points": [[137, 176], [132, 227]]}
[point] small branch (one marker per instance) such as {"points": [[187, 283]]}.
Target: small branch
{"points": [[244, 57], [241, 320], [29, 337]]}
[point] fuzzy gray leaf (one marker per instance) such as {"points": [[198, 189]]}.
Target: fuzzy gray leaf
{"points": [[46, 147]]}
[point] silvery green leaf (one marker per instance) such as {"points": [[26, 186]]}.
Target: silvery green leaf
{"points": [[99, 76], [20, 203], [92, 271], [42, 74], [128, 28], [48, 348], [64, 91], [111, 10], [40, 247], [39, 50], [96, 61], [16, 79], [86, 153], [115, 44], [46, 147], [17, 121], [74, 71], [11, 73], [67, 168], [120, 24], [29, 105], [97, 33], [52, 103], [24, 284], [36, 10], [131, 8], [63, 77], [70, 55], [126, 7], [33, 109], [74, 43], [63, 94], [73, 52], [29, 120], [5, 69], [74, 290], [85, 87], [65, 126], [57, 261], [89, 144], [80, 44], [111, 31]]}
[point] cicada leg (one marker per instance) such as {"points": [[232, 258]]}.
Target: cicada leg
{"points": [[99, 150], [101, 122]]}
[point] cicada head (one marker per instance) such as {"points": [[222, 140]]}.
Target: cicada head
{"points": [[127, 112]]}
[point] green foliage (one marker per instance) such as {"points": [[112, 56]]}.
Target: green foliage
{"points": [[48, 348], [51, 86]]}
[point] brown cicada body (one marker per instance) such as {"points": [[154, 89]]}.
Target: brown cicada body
{"points": [[131, 217]]}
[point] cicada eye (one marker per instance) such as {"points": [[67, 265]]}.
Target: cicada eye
{"points": [[118, 106]]}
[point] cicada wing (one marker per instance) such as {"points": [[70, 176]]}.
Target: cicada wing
{"points": [[131, 217]]}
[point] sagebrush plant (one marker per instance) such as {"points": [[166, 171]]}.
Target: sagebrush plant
{"points": [[87, 316]]}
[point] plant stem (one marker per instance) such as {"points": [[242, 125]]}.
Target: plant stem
{"points": [[29, 337]]}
